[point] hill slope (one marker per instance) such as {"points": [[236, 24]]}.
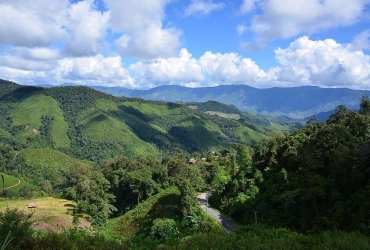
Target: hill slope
{"points": [[88, 124]]}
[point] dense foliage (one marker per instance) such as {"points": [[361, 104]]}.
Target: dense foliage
{"points": [[313, 179], [305, 185]]}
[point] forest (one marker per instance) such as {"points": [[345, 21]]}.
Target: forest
{"points": [[306, 188]]}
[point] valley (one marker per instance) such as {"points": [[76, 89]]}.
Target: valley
{"points": [[103, 171]]}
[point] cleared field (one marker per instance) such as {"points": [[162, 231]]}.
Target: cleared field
{"points": [[224, 115], [51, 214]]}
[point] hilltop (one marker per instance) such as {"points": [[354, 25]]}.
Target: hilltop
{"points": [[91, 125]]}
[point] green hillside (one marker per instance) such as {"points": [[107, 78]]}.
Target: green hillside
{"points": [[87, 124], [16, 186], [8, 180], [32, 114], [160, 207], [49, 165]]}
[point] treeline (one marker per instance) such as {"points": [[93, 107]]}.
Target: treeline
{"points": [[316, 178]]}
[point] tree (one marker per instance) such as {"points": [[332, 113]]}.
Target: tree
{"points": [[365, 105]]}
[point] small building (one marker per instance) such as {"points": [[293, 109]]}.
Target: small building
{"points": [[32, 205], [192, 161]]}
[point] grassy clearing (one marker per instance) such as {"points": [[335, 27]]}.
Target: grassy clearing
{"points": [[153, 109], [12, 180], [130, 223], [51, 158], [224, 115], [103, 127], [50, 164], [247, 134], [29, 112], [52, 211], [8, 180]]}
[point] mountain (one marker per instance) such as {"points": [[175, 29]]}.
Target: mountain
{"points": [[294, 102], [91, 125]]}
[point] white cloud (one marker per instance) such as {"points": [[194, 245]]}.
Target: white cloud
{"points": [[324, 63], [41, 23], [200, 7], [87, 29], [362, 40], [181, 70], [290, 18], [152, 42], [248, 5], [240, 29], [231, 68], [209, 70], [97, 70], [22, 58], [32, 23], [140, 23]]}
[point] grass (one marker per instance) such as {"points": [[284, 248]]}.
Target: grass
{"points": [[8, 180], [12, 180], [130, 223], [4, 133], [102, 127], [51, 158], [50, 164], [247, 134], [224, 115], [153, 109], [54, 212], [29, 112]]}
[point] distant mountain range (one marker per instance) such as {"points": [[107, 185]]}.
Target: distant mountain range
{"points": [[296, 102]]}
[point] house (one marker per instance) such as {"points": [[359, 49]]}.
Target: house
{"points": [[192, 161], [32, 205]]}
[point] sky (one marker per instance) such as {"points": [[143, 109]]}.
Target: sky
{"points": [[141, 44]]}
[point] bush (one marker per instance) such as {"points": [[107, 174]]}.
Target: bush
{"points": [[18, 224]]}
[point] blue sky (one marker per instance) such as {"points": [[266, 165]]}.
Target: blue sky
{"points": [[140, 44]]}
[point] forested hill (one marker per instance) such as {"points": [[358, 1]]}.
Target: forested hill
{"points": [[293, 102], [89, 124], [307, 189]]}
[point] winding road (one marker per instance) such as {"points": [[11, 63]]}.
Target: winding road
{"points": [[226, 223]]}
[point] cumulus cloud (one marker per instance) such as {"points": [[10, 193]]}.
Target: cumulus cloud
{"points": [[41, 23], [324, 63], [181, 70], [32, 23], [93, 70], [203, 8], [87, 28], [140, 23], [96, 70], [230, 68], [151, 42], [209, 70], [290, 18], [23, 58]]}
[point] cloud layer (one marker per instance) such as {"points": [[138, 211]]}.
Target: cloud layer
{"points": [[290, 18], [132, 44]]}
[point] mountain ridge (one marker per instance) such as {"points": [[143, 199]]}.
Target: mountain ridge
{"points": [[91, 125], [293, 102]]}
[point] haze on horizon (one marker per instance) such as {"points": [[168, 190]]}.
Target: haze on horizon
{"points": [[140, 44]]}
